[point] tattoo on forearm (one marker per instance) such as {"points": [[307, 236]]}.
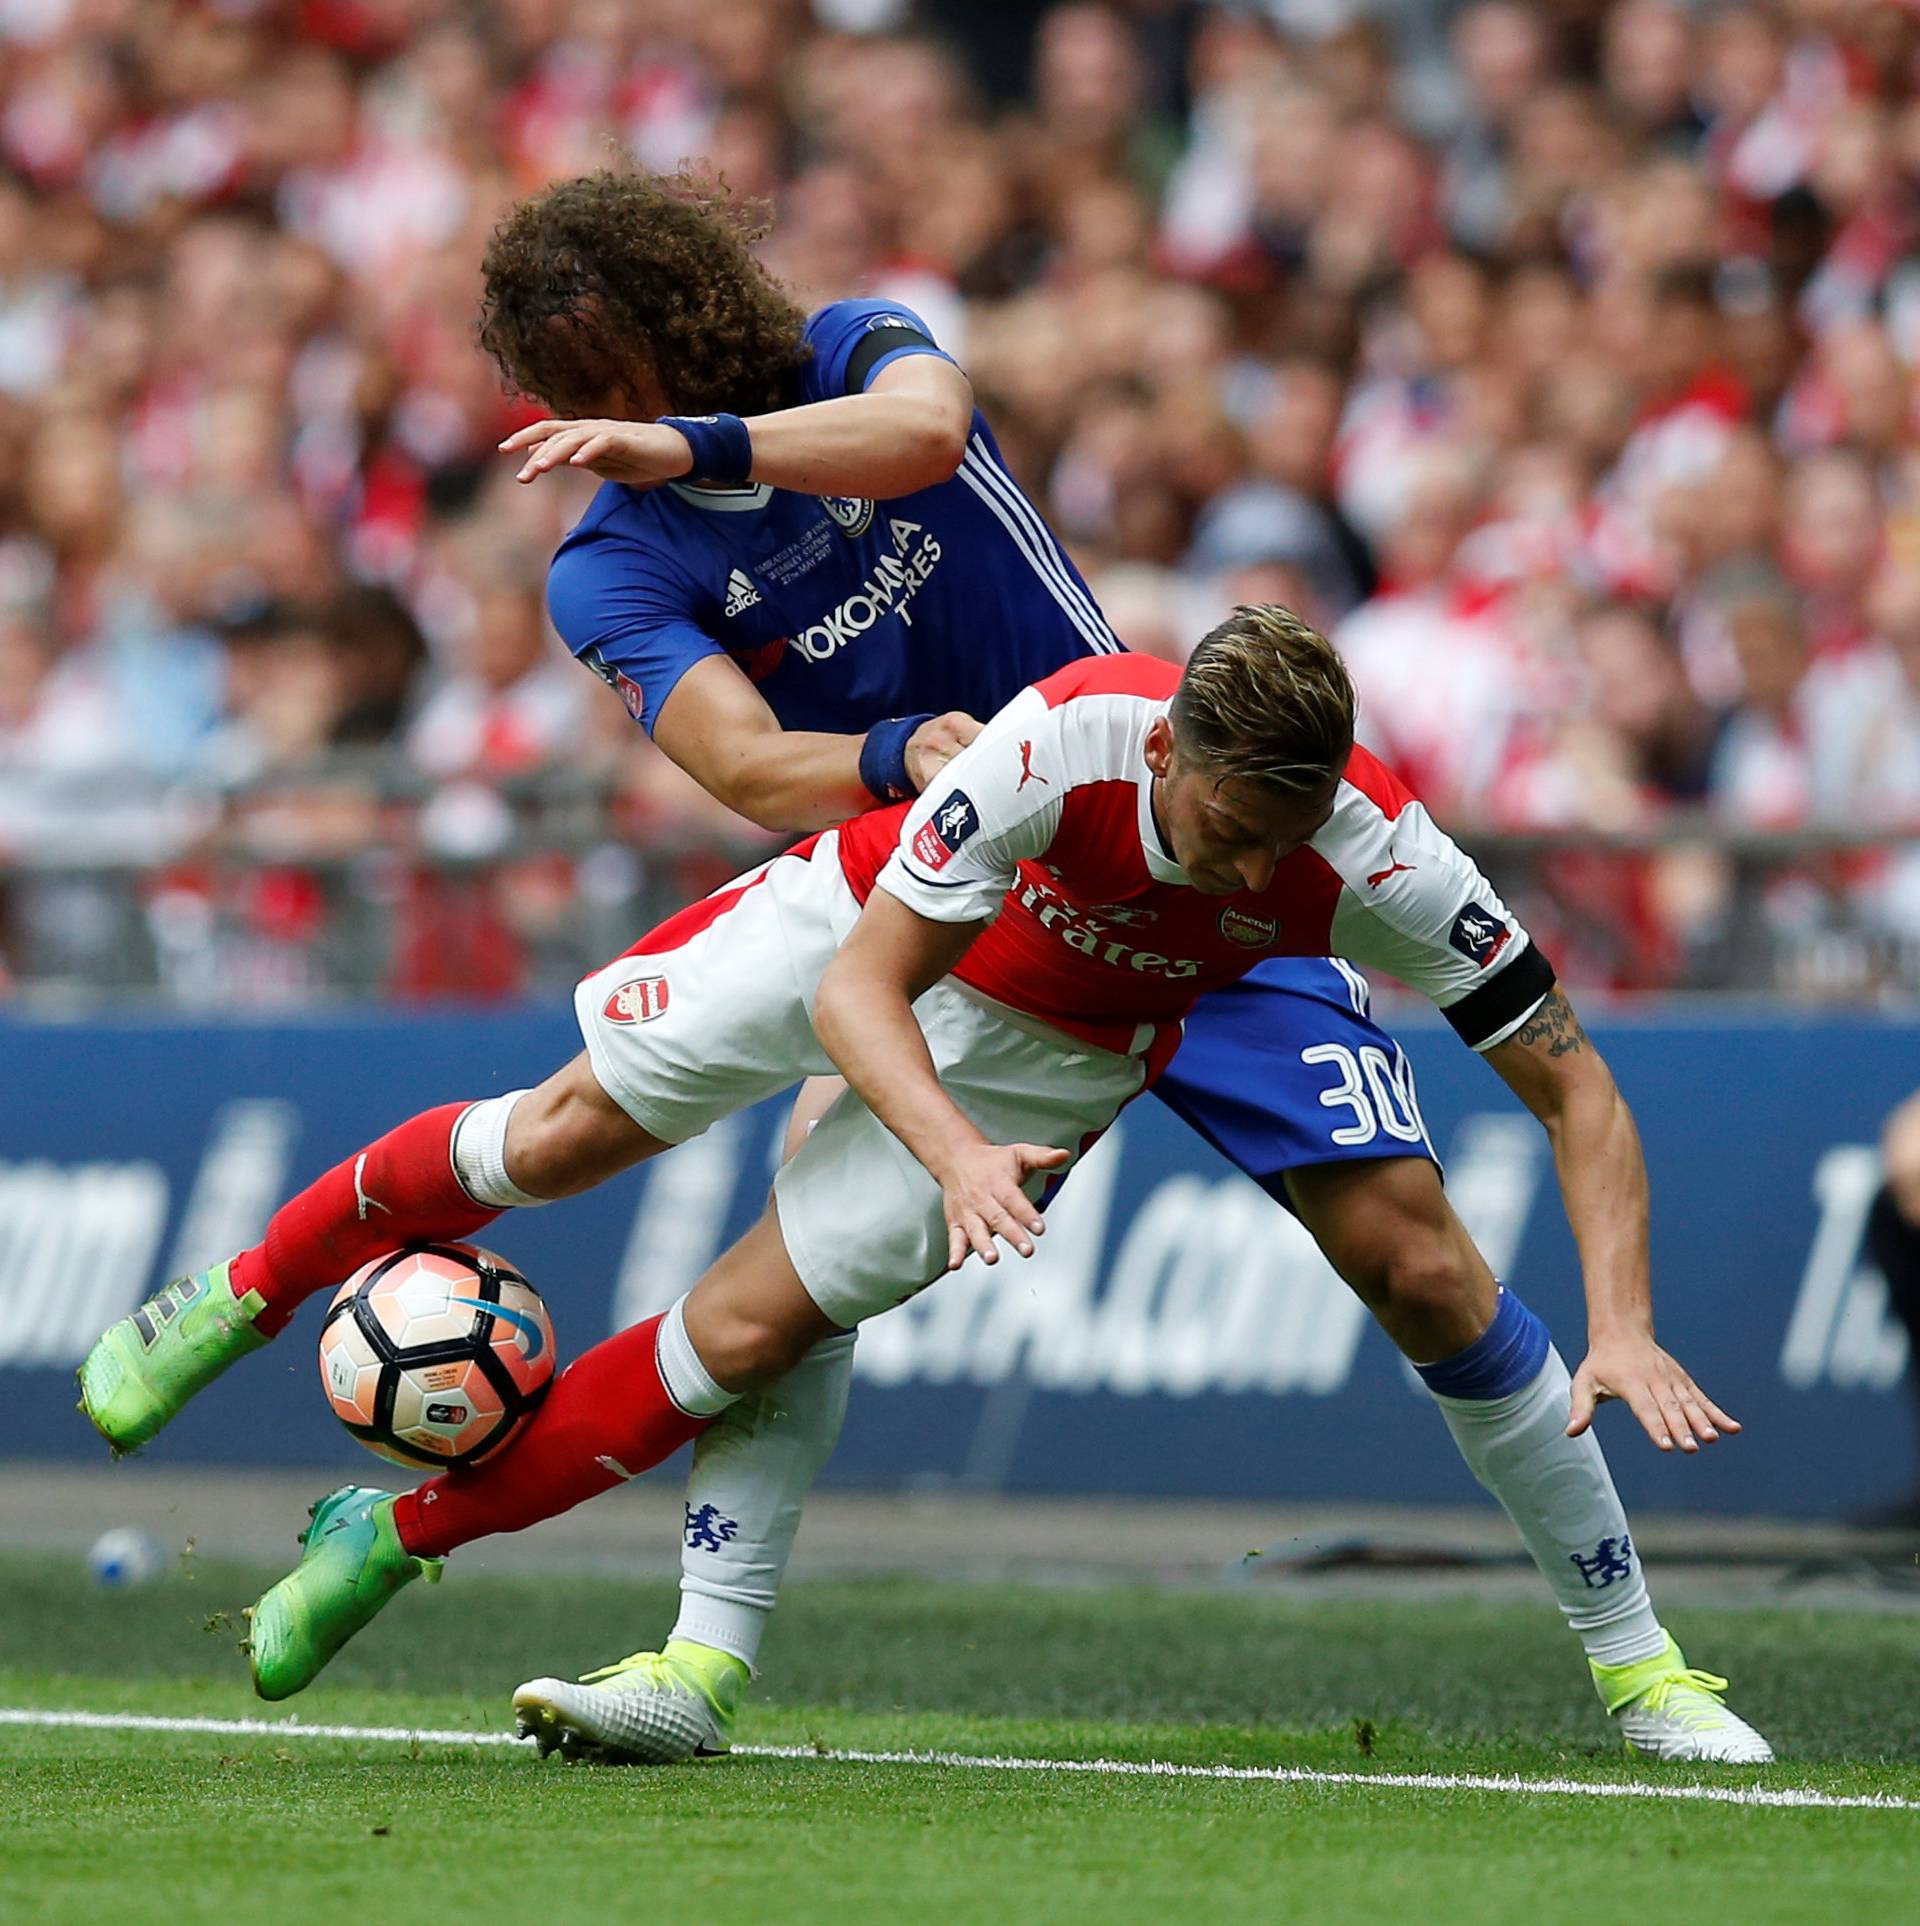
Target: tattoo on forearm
{"points": [[1554, 1026]]}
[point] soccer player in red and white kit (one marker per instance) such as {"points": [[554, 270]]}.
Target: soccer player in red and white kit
{"points": [[997, 970]]}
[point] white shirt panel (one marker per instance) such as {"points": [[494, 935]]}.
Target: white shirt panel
{"points": [[976, 823], [1414, 903]]}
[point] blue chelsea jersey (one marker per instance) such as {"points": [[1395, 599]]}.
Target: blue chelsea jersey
{"points": [[843, 611]]}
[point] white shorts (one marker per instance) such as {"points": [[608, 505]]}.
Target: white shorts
{"points": [[717, 1014]]}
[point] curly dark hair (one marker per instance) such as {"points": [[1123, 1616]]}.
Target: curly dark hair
{"points": [[591, 276]]}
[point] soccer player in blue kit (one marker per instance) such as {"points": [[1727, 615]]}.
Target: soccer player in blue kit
{"points": [[806, 573]]}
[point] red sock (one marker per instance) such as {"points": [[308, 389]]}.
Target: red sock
{"points": [[399, 1190], [608, 1417]]}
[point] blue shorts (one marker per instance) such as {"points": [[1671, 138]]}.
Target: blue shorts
{"points": [[1286, 1067]]}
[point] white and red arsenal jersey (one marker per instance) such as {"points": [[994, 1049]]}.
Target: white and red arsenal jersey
{"points": [[1044, 824]]}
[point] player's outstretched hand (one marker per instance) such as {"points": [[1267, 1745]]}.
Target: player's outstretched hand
{"points": [[935, 744], [638, 453], [1654, 1387], [984, 1200]]}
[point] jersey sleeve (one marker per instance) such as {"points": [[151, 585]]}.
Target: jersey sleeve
{"points": [[964, 839], [629, 619], [1414, 904], [853, 340]]}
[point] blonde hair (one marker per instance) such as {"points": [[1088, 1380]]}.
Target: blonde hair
{"points": [[1266, 698]]}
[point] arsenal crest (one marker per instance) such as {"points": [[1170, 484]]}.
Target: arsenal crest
{"points": [[1255, 932], [637, 1002]]}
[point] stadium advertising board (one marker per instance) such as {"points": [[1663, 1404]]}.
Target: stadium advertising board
{"points": [[1176, 1333]]}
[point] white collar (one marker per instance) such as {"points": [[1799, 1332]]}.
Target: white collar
{"points": [[728, 501], [1160, 864]]}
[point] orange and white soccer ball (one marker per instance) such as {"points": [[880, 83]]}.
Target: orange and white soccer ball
{"points": [[436, 1355]]}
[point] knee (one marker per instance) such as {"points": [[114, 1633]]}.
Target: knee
{"points": [[1416, 1277], [561, 1142], [1389, 1231], [1396, 1251], [742, 1349], [1431, 1294], [543, 1145]]}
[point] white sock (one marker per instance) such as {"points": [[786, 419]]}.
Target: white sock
{"points": [[689, 1383], [751, 1473], [1558, 1491], [480, 1154]]}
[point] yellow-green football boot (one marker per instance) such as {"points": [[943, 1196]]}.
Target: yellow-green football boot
{"points": [[651, 1708], [1668, 1711], [142, 1370], [353, 1564]]}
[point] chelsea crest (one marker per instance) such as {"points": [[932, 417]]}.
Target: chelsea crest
{"points": [[853, 513]]}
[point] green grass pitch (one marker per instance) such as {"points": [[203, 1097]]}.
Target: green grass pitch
{"points": [[119, 1825]]}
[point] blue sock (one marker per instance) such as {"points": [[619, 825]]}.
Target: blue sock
{"points": [[1505, 1399], [1506, 1357]]}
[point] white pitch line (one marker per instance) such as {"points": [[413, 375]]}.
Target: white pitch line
{"points": [[1800, 1796], [247, 1728]]}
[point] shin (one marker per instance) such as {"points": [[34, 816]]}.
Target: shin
{"points": [[445, 1174], [1505, 1399], [1500, 1385], [752, 1470]]}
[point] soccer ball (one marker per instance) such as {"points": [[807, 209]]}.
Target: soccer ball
{"points": [[436, 1354], [126, 1556]]}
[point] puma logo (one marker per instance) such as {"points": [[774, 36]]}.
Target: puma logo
{"points": [[1379, 876], [1028, 773]]}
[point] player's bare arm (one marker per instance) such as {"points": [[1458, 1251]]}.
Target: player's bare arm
{"points": [[908, 431], [863, 1016], [716, 725], [1550, 1064]]}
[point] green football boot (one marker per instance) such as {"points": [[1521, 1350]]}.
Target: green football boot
{"points": [[142, 1370], [353, 1563], [654, 1708]]}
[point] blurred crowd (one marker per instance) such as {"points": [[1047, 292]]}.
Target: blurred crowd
{"points": [[1559, 359]]}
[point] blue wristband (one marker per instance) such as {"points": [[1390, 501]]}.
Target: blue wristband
{"points": [[722, 448], [883, 758]]}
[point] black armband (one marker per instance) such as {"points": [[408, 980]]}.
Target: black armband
{"points": [[875, 345], [1506, 1000]]}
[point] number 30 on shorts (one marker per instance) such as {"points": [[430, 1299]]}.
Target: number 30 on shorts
{"points": [[1376, 1089]]}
